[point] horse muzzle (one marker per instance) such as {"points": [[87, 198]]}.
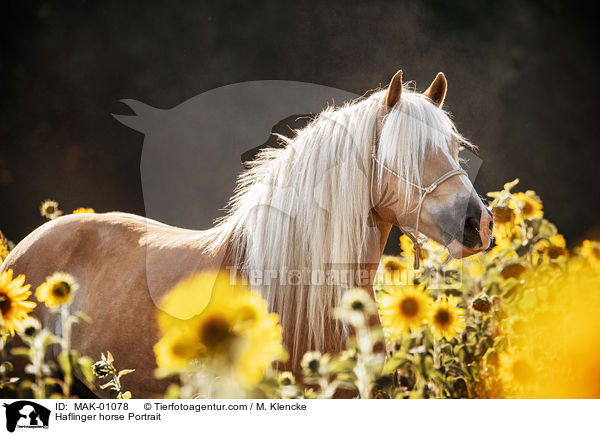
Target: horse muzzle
{"points": [[474, 233]]}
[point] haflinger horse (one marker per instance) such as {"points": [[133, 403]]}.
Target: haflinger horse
{"points": [[326, 200]]}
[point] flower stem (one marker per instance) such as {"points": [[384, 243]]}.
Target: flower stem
{"points": [[66, 347]]}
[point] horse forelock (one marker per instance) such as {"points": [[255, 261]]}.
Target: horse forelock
{"points": [[410, 129]]}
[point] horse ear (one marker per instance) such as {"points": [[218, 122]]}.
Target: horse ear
{"points": [[437, 90], [394, 91]]}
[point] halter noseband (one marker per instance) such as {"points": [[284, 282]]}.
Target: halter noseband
{"points": [[424, 190]]}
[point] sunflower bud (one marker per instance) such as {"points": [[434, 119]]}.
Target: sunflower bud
{"points": [[513, 270], [102, 368], [286, 378], [503, 215], [311, 362], [482, 303], [30, 327]]}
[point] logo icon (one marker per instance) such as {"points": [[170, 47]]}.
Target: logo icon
{"points": [[26, 414]]}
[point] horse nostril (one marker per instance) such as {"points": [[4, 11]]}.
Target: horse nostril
{"points": [[471, 226]]}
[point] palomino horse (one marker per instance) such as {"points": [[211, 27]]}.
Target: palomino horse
{"points": [[325, 202]]}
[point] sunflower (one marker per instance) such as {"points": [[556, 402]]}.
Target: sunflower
{"points": [[504, 238], [192, 296], [3, 251], [527, 205], [405, 309], [175, 350], [476, 266], [553, 248], [503, 215], [518, 375], [250, 311], [57, 290], [446, 318], [482, 303], [49, 209], [356, 308], [286, 378], [30, 327], [261, 346], [207, 319], [83, 210], [311, 363], [392, 269], [408, 249], [513, 270], [5, 247], [590, 250], [14, 306]]}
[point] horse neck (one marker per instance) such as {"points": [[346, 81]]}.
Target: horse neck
{"points": [[375, 249], [334, 339]]}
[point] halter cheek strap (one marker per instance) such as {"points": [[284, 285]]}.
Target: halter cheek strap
{"points": [[424, 190]]}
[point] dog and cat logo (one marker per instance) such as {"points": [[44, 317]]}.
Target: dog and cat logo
{"points": [[25, 414]]}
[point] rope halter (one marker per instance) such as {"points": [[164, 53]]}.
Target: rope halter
{"points": [[424, 190]]}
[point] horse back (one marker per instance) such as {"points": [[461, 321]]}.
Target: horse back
{"points": [[124, 265]]}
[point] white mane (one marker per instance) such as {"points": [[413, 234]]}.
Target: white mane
{"points": [[306, 207]]}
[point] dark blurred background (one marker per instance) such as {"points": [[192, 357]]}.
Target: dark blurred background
{"points": [[523, 86]]}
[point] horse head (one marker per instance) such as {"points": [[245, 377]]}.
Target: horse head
{"points": [[422, 185]]}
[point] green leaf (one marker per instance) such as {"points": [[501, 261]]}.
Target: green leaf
{"points": [[80, 316], [64, 362], [110, 384], [53, 381], [510, 288], [528, 301], [393, 363], [500, 343], [125, 372], [546, 229], [49, 339], [84, 365]]}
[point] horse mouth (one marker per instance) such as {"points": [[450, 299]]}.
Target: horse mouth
{"points": [[458, 250], [461, 245]]}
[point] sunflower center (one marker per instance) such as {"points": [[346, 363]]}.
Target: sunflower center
{"points": [[522, 371], [29, 331], [50, 209], [513, 271], [358, 306], [409, 307], [214, 331], [60, 290], [181, 350], [313, 365], [442, 317], [286, 380], [391, 267], [502, 215], [5, 304], [527, 209], [555, 251]]}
